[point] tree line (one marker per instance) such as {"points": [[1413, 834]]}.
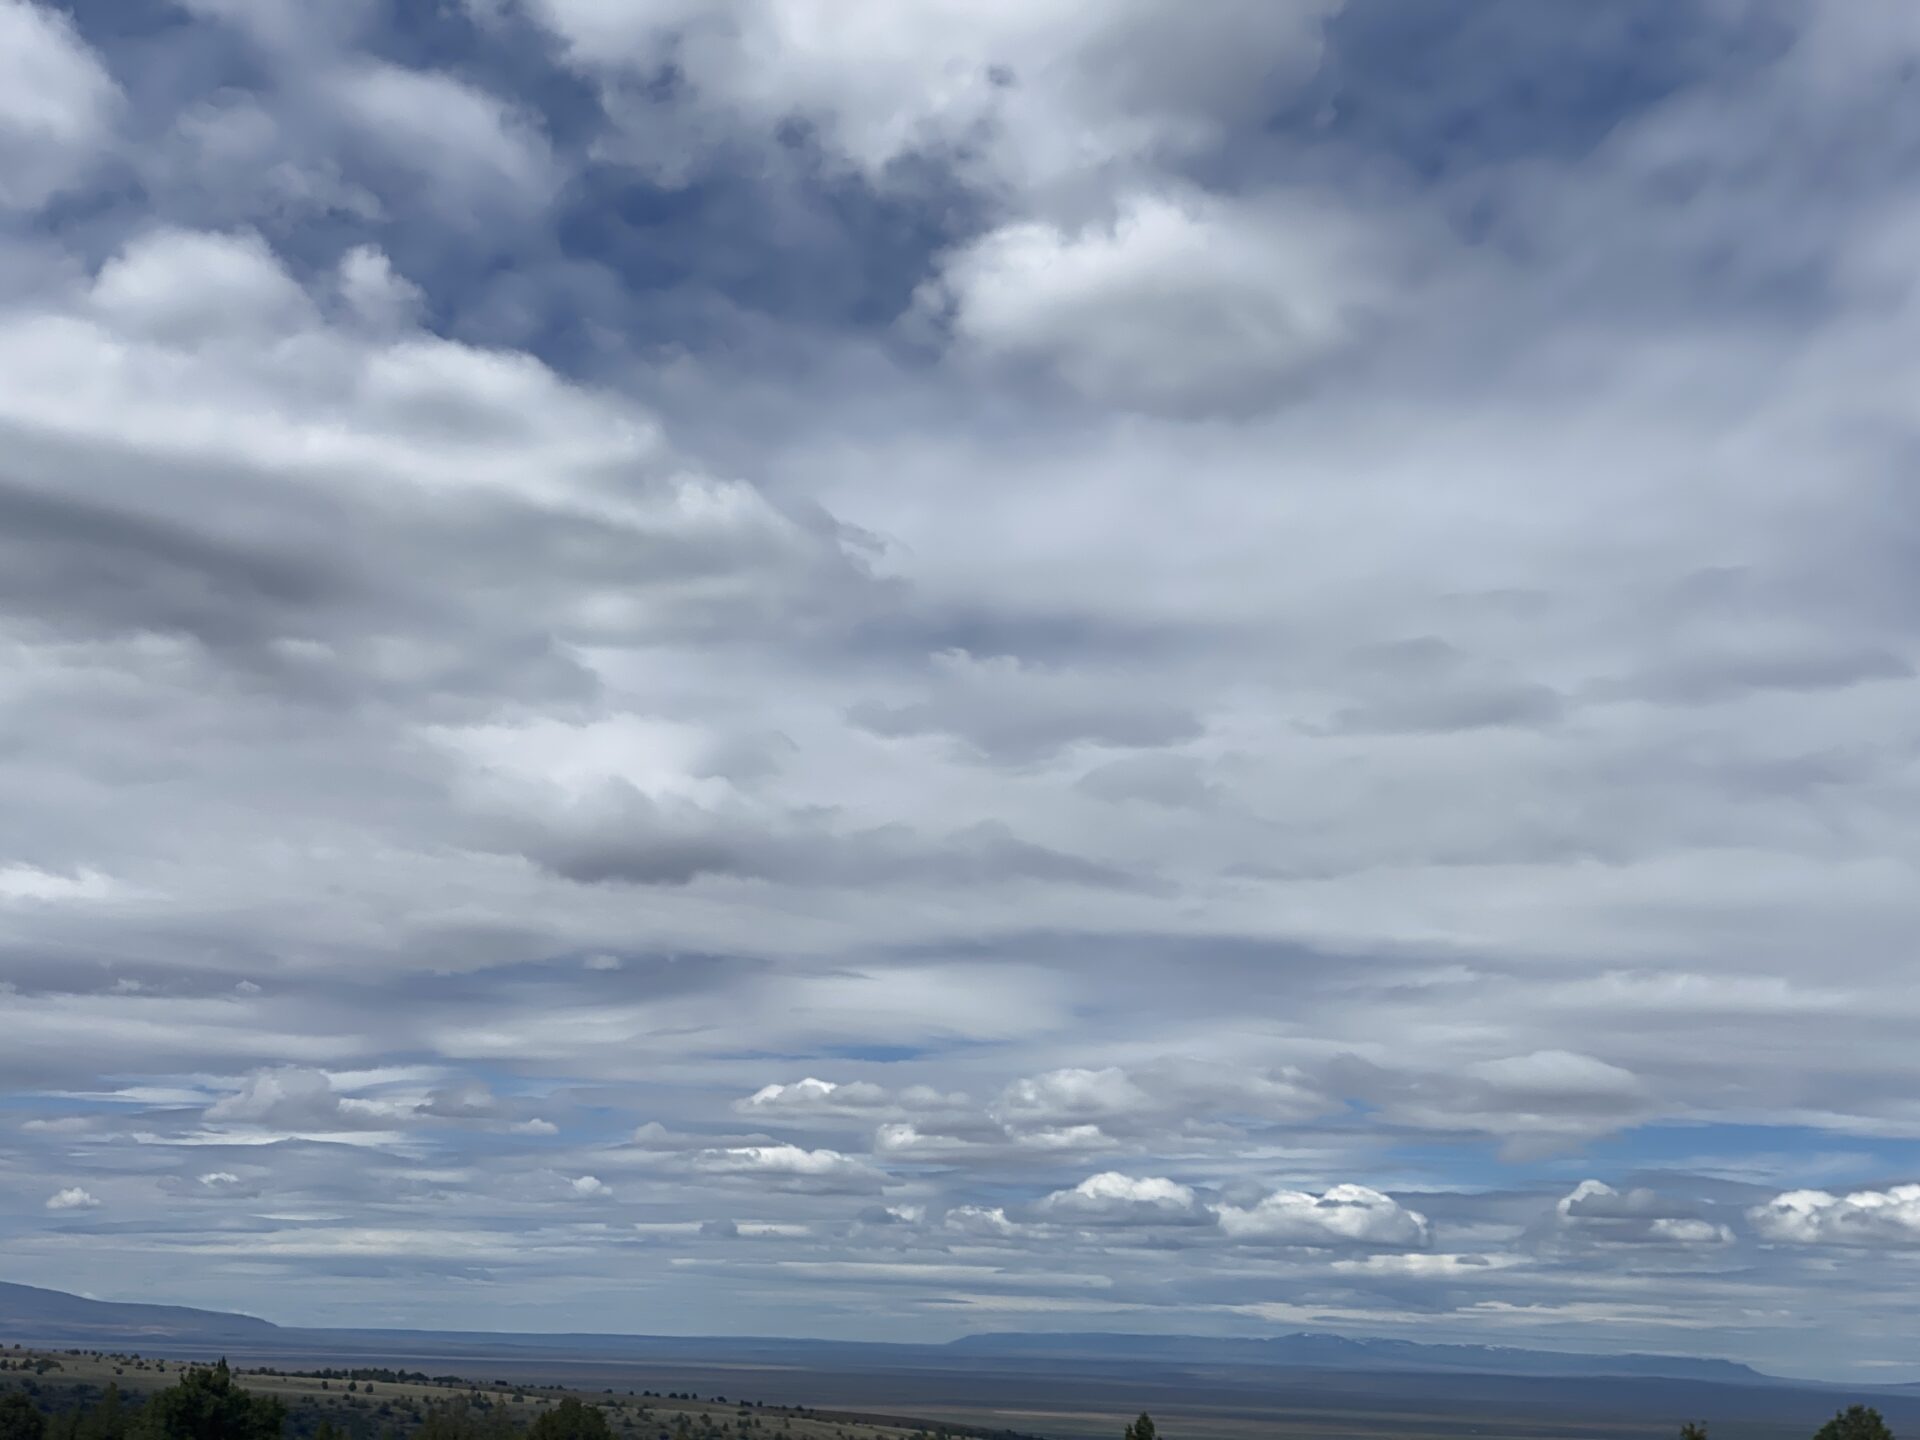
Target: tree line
{"points": [[207, 1403]]}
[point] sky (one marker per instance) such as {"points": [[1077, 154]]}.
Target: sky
{"points": [[833, 668]]}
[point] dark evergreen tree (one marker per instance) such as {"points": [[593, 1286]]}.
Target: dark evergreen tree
{"points": [[1856, 1422], [20, 1419], [571, 1420], [1142, 1429], [108, 1419], [205, 1404]]}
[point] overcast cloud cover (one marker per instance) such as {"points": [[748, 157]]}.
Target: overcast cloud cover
{"points": [[824, 667]]}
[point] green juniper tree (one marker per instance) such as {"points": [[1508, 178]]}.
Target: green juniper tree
{"points": [[205, 1404], [1856, 1422], [1142, 1429], [107, 1420], [20, 1419], [571, 1420]]}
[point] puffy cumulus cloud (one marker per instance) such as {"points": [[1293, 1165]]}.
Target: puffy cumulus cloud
{"points": [[589, 1187], [1343, 1215], [186, 289], [1111, 1198], [72, 1198], [1074, 1094], [291, 1098], [58, 105], [1597, 1213], [811, 1096], [1864, 1218], [1177, 303], [904, 1139], [980, 1222]]}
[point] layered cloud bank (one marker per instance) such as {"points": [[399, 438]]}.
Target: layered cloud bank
{"points": [[758, 667]]}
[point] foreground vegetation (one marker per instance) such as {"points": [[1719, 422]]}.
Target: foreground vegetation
{"points": [[80, 1395], [98, 1395]]}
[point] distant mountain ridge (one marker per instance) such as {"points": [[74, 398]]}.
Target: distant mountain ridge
{"points": [[26, 1308], [1318, 1350], [29, 1313]]}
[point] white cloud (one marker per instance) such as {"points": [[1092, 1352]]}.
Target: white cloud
{"points": [[29, 883], [1596, 1212], [380, 297], [1343, 1215], [983, 1222], [1112, 1198], [1867, 1218], [1179, 304], [811, 1096], [186, 288], [1031, 95], [72, 1198], [293, 1097], [57, 104], [1472, 1266], [1073, 1094], [469, 146], [1375, 780], [790, 1165], [589, 1187]]}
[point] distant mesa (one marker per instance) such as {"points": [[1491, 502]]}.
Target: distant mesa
{"points": [[28, 1313]]}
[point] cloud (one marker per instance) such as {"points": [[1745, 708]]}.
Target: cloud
{"points": [[1865, 1218], [72, 1198], [1010, 713], [1595, 1212], [1177, 304], [1537, 1101], [815, 1096], [1343, 1215], [1074, 1093], [1030, 94], [294, 1098], [980, 1222], [1177, 782], [623, 836], [469, 1100], [1070, 590], [189, 289], [58, 105], [589, 1187], [793, 1166], [451, 135], [1111, 1198]]}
